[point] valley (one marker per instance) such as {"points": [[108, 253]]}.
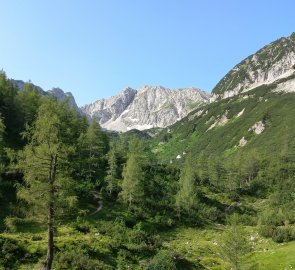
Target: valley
{"points": [[152, 178]]}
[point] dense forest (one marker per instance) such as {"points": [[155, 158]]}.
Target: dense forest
{"points": [[73, 196]]}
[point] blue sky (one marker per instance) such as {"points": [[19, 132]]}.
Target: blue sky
{"points": [[95, 48]]}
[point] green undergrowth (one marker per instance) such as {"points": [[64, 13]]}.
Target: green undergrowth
{"points": [[194, 248]]}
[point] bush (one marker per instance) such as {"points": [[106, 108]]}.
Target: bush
{"points": [[163, 260], [267, 231], [272, 217], [211, 213], [77, 258], [37, 238], [11, 253], [82, 226], [283, 234], [278, 234]]}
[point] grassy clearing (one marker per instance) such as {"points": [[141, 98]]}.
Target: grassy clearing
{"points": [[198, 246]]}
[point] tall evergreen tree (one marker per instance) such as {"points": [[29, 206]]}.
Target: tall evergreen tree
{"points": [[112, 177], [133, 175], [9, 109], [2, 128], [29, 101], [92, 147], [47, 187], [234, 244], [186, 197], [132, 184]]}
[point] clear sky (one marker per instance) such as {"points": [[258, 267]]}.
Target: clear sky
{"points": [[95, 48]]}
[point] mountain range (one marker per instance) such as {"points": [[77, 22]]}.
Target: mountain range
{"points": [[159, 107]]}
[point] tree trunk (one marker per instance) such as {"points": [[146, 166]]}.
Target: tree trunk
{"points": [[50, 244], [49, 258]]}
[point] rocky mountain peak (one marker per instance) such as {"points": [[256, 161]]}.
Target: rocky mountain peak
{"points": [[63, 96], [150, 106], [272, 62]]}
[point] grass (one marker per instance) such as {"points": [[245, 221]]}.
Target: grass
{"points": [[203, 245], [199, 246]]}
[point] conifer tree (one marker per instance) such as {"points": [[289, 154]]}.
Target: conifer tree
{"points": [[133, 175], [92, 147], [186, 197], [112, 178], [234, 244], [29, 101], [132, 184], [9, 109], [2, 128], [47, 185]]}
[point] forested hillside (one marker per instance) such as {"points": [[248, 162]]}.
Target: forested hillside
{"points": [[213, 191]]}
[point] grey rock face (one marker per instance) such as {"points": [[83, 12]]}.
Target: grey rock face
{"points": [[150, 106], [21, 85], [110, 109], [64, 96], [58, 93], [273, 62]]}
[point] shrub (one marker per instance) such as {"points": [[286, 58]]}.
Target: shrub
{"points": [[77, 258], [278, 234], [11, 253], [267, 231], [283, 234], [37, 238], [163, 260], [82, 226]]}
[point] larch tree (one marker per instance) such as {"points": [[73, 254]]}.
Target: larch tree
{"points": [[92, 147], [133, 174], [47, 186], [234, 244], [112, 177], [29, 101], [186, 197]]}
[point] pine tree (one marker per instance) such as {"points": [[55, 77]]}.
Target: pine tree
{"points": [[186, 197], [47, 185]]}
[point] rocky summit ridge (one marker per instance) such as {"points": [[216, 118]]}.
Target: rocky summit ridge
{"points": [[268, 65], [147, 107]]}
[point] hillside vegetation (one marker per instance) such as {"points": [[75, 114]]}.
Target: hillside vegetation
{"points": [[213, 191]]}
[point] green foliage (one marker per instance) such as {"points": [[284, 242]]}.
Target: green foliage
{"points": [[112, 177], [163, 260], [132, 184], [79, 257], [11, 253], [10, 112], [234, 244], [46, 154], [2, 128], [90, 162], [186, 197], [278, 234], [29, 101]]}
